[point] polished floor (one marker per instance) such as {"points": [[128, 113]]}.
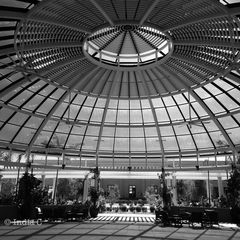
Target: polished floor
{"points": [[108, 227]]}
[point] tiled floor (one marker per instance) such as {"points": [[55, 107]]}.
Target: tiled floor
{"points": [[120, 228]]}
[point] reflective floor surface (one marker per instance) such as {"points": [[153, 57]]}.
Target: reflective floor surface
{"points": [[107, 227]]}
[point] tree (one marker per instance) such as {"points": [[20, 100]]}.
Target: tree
{"points": [[113, 194], [29, 195], [150, 195], [7, 191], [63, 189], [69, 189], [184, 190], [233, 187], [233, 194], [198, 190]]}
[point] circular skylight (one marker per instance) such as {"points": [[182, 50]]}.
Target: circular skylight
{"points": [[128, 46]]}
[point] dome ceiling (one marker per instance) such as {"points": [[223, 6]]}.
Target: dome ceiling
{"points": [[120, 78]]}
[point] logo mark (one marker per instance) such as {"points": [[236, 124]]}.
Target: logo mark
{"points": [[7, 222]]}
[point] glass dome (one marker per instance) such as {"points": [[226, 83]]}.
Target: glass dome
{"points": [[183, 102]]}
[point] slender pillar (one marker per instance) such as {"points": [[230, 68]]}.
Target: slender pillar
{"points": [[0, 183], [208, 187], [55, 181], [174, 189], [220, 187], [85, 188], [54, 188], [43, 181]]}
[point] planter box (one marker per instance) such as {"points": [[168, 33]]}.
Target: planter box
{"points": [[9, 211], [224, 214]]}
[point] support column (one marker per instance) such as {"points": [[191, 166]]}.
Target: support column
{"points": [[43, 181], [208, 187], [168, 180], [85, 189], [54, 188], [0, 183], [220, 187], [174, 190]]}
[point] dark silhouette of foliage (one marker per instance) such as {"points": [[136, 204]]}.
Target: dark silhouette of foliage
{"points": [[233, 187], [29, 194], [69, 189], [94, 194]]}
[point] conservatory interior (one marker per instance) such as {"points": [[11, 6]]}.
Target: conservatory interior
{"points": [[119, 107]]}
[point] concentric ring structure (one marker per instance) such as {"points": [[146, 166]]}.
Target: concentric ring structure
{"points": [[127, 47], [118, 83]]}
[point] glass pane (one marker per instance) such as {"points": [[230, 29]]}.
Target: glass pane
{"points": [[123, 104], [106, 144], [168, 101], [85, 114], [170, 144], [150, 131], [46, 106], [179, 99], [145, 103], [108, 131], [93, 130], [101, 103], [162, 115], [136, 132], [8, 132], [134, 104], [166, 131], [218, 139], [60, 110], [147, 116], [227, 122], [5, 114], [123, 116], [90, 143], [186, 142], [235, 94], [227, 102], [234, 135], [63, 127], [97, 115], [137, 144], [50, 125], [121, 144], [202, 141], [122, 132], [174, 113], [34, 103], [18, 118], [214, 106], [135, 116], [21, 98], [111, 115], [157, 102], [24, 136], [153, 144], [43, 139], [74, 142], [90, 101]]}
